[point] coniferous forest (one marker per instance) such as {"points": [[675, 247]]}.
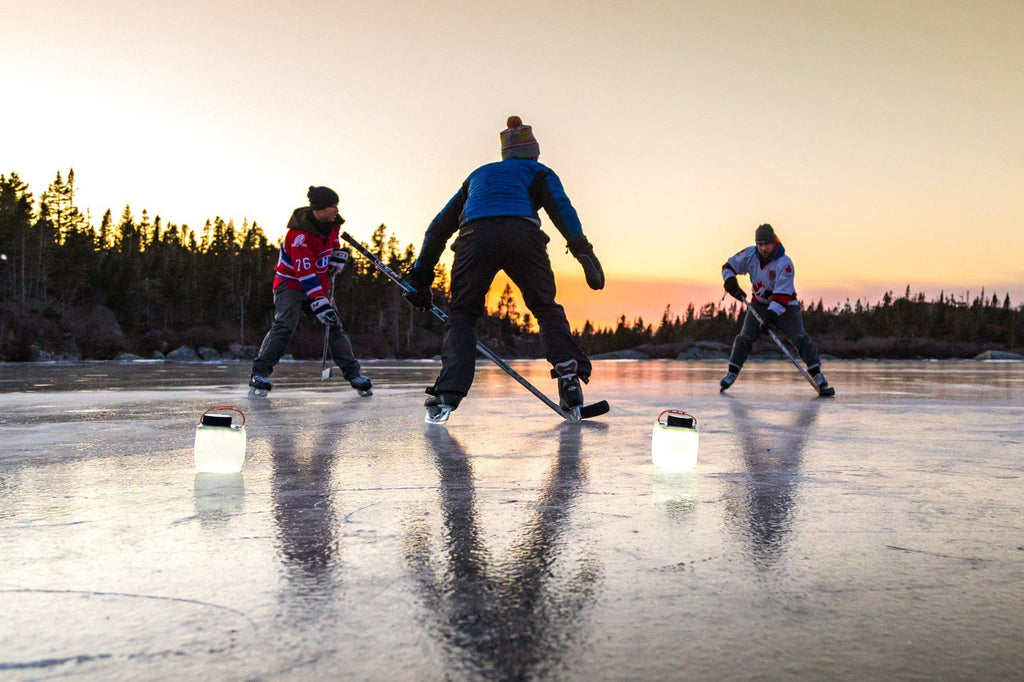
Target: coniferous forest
{"points": [[71, 288]]}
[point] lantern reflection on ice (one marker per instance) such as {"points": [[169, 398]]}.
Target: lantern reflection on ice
{"points": [[220, 445], [674, 441]]}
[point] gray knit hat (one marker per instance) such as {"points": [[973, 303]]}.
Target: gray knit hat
{"points": [[517, 140]]}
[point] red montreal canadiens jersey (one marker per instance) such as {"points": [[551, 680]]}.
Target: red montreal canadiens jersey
{"points": [[302, 263], [772, 283]]}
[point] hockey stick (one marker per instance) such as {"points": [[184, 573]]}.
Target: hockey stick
{"points": [[325, 371], [574, 415], [785, 351]]}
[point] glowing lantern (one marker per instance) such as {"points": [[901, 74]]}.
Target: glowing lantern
{"points": [[674, 441], [220, 445]]}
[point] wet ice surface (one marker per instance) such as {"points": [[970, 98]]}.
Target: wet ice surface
{"points": [[875, 535]]}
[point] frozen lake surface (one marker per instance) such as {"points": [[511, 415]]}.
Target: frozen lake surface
{"points": [[876, 535]]}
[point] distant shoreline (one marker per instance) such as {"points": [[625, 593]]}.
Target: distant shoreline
{"points": [[604, 357]]}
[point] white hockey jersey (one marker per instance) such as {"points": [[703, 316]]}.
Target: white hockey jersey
{"points": [[771, 283]]}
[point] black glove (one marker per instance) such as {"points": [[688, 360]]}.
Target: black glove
{"points": [[732, 287], [422, 297], [337, 260], [769, 319], [324, 312], [584, 253]]}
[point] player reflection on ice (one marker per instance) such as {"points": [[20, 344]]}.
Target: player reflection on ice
{"points": [[772, 456], [303, 512], [518, 616]]}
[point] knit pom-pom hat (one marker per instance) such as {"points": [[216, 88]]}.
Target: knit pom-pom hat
{"points": [[517, 140]]}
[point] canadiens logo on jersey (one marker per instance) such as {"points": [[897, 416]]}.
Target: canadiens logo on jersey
{"points": [[302, 264]]}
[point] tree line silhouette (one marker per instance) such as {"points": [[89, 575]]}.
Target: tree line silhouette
{"points": [[908, 326], [69, 289]]}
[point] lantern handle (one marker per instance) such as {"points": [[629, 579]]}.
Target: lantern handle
{"points": [[685, 414], [227, 407]]}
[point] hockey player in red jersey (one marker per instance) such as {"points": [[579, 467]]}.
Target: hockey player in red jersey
{"points": [[310, 258], [774, 298]]}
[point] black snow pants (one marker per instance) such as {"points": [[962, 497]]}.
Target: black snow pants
{"points": [[289, 305], [518, 247], [790, 323]]}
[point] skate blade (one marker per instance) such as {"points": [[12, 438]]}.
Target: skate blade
{"points": [[258, 392], [440, 418], [364, 392]]}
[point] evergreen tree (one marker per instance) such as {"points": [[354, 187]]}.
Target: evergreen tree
{"points": [[16, 220]]}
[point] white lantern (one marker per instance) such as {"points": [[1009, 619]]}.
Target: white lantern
{"points": [[220, 445], [674, 441]]}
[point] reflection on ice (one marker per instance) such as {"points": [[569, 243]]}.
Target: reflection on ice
{"points": [[675, 491], [772, 455], [218, 496], [511, 617], [845, 538]]}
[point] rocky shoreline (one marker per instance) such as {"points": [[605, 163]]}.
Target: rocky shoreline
{"points": [[703, 350]]}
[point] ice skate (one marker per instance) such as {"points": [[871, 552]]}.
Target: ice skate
{"points": [[259, 386], [363, 385], [824, 390], [728, 380], [570, 393], [440, 407]]}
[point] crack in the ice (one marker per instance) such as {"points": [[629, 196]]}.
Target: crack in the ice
{"points": [[968, 559], [683, 565], [92, 593], [51, 662], [345, 519]]}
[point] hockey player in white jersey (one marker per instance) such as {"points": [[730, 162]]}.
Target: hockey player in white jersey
{"points": [[774, 299]]}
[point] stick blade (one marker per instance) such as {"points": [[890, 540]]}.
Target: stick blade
{"points": [[827, 392], [594, 409], [325, 374]]}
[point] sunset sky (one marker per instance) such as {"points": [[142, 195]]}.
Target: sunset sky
{"points": [[883, 140]]}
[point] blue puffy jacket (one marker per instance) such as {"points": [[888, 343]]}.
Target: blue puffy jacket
{"points": [[513, 187]]}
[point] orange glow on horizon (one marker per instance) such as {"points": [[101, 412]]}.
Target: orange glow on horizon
{"points": [[676, 128], [630, 297], [647, 298]]}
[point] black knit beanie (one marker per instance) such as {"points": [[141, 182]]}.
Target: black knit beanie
{"points": [[321, 197], [764, 234]]}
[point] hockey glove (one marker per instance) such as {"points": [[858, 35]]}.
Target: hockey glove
{"points": [[732, 288], [770, 317], [337, 261], [423, 296], [583, 251], [325, 312]]}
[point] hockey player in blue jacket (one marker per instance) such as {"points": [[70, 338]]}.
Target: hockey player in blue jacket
{"points": [[495, 213]]}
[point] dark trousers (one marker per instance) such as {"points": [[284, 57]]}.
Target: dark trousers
{"points": [[791, 323], [519, 248], [288, 308]]}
